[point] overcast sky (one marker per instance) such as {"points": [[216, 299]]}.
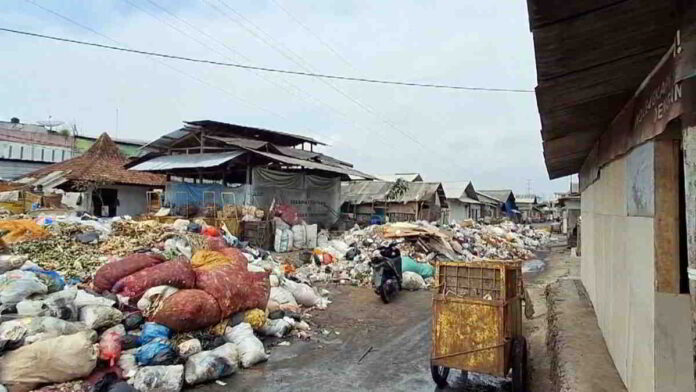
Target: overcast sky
{"points": [[490, 138]]}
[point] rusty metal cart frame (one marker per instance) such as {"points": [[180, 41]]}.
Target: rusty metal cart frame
{"points": [[477, 321]]}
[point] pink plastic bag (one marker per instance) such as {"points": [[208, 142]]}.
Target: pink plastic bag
{"points": [[110, 347]]}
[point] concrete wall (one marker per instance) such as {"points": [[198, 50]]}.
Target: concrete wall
{"points": [[618, 271], [132, 200], [10, 170]]}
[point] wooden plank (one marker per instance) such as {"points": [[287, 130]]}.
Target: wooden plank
{"points": [[667, 215], [543, 12], [611, 33]]}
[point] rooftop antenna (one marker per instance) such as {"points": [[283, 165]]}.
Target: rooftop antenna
{"points": [[50, 123]]}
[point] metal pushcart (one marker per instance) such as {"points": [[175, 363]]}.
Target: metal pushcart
{"points": [[477, 321]]}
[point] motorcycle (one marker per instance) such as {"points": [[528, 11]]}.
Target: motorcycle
{"points": [[386, 272]]}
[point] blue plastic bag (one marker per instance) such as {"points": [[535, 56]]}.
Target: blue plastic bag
{"points": [[152, 331], [158, 352], [423, 269], [51, 279]]}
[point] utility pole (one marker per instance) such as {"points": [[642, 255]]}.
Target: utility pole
{"points": [[529, 187]]}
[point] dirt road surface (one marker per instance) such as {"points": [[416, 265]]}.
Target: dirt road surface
{"points": [[365, 345]]}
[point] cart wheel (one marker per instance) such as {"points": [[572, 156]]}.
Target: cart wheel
{"points": [[519, 365], [440, 374]]}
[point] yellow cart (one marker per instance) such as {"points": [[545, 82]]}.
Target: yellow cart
{"points": [[477, 321]]}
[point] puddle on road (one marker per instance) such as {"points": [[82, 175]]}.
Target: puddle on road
{"points": [[535, 265]]}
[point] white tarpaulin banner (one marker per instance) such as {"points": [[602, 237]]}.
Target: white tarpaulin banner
{"points": [[315, 198]]}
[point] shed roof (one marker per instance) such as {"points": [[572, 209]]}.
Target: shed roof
{"points": [[502, 195], [591, 56], [103, 162], [359, 192], [455, 189]]}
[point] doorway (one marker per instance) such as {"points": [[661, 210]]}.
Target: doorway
{"points": [[105, 202]]}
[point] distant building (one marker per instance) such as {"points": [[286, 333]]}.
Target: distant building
{"points": [[366, 201], [462, 201], [102, 186], [528, 207], [506, 198], [28, 147]]}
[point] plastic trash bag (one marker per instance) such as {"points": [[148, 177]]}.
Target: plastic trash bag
{"points": [[159, 379], [17, 285], [211, 365], [58, 306], [110, 273], [412, 281], [250, 348], [153, 298], [11, 262], [53, 360], [110, 347], [425, 270], [282, 296], [157, 352], [188, 310], [153, 331], [133, 321], [97, 316], [303, 294], [83, 298], [121, 386], [128, 365], [277, 328], [189, 347], [32, 329]]}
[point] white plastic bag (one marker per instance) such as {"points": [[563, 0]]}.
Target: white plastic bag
{"points": [[303, 294], [189, 347], [83, 298], [413, 281], [159, 378], [282, 296], [299, 236], [128, 365], [97, 316], [250, 348], [211, 365], [277, 328], [11, 262], [34, 329], [17, 285]]}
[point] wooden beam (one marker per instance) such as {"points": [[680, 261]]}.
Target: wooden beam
{"points": [[666, 221]]}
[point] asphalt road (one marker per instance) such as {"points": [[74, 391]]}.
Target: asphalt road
{"points": [[393, 341]]}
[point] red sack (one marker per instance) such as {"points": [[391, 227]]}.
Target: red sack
{"points": [[216, 243], [235, 288], [235, 255], [176, 273], [110, 347], [188, 310], [110, 273]]}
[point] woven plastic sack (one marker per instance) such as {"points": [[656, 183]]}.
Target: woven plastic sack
{"points": [[153, 298], [110, 273], [208, 259], [159, 379], [216, 243], [188, 310], [413, 281], [50, 361], [175, 273], [98, 316], [235, 288], [21, 230]]}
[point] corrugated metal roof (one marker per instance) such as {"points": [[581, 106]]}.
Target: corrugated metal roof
{"points": [[169, 162], [313, 165], [240, 142], [500, 195], [410, 177], [455, 189], [359, 192], [465, 199]]}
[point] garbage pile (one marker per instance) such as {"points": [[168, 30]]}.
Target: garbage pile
{"points": [[187, 304], [346, 259]]}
